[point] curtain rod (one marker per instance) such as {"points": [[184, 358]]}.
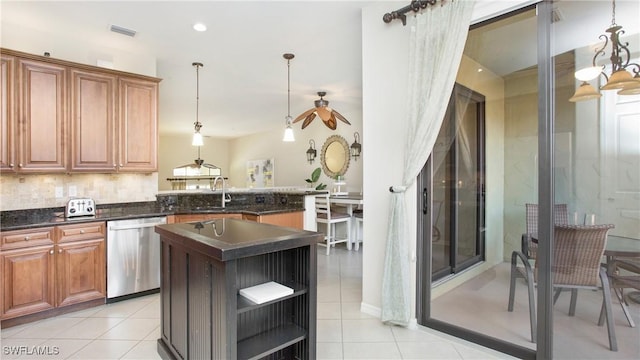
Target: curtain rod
{"points": [[415, 6]]}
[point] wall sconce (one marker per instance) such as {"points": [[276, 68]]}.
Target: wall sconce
{"points": [[356, 148], [311, 152]]}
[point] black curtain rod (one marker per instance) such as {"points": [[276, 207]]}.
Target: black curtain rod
{"points": [[415, 6]]}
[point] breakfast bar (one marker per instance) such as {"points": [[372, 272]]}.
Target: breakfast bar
{"points": [[206, 264]]}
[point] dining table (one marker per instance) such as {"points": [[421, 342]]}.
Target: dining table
{"points": [[351, 201], [621, 247]]}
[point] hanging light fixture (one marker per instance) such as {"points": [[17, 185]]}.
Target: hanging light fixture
{"points": [[356, 148], [622, 70], [288, 131], [311, 152], [197, 136]]}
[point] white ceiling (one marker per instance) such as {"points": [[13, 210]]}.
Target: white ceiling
{"points": [[243, 84]]}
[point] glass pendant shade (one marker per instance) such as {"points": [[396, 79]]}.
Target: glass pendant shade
{"points": [[288, 131], [585, 92], [197, 139], [618, 80], [631, 88]]}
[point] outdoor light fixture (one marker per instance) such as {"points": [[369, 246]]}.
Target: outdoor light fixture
{"points": [[197, 136], [311, 152], [356, 148], [288, 131], [622, 70]]}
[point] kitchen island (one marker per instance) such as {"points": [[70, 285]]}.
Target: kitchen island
{"points": [[204, 267]]}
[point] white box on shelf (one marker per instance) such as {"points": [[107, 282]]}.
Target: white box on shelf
{"points": [[266, 292]]}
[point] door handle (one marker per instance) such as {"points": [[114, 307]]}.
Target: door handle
{"points": [[425, 204]]}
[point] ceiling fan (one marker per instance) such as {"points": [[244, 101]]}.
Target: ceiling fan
{"points": [[322, 109]]}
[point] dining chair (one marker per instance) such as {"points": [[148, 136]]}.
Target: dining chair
{"points": [[329, 217], [358, 216], [577, 252]]}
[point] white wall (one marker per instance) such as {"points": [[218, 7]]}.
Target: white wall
{"points": [[290, 160], [384, 66]]}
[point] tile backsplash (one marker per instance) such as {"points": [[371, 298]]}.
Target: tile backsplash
{"points": [[40, 191]]}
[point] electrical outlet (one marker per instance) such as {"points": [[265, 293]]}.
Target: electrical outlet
{"points": [[59, 192], [73, 190]]}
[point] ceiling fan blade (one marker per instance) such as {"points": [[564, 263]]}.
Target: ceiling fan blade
{"points": [[339, 116], [303, 115], [308, 120], [331, 122], [324, 114]]}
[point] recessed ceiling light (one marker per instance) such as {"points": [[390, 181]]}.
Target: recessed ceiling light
{"points": [[199, 27]]}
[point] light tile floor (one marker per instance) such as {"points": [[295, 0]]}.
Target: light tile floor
{"points": [[130, 329]]}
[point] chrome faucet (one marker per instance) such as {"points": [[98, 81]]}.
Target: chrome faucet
{"points": [[224, 185]]}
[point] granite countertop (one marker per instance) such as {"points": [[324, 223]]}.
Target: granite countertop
{"points": [[230, 239], [35, 218]]}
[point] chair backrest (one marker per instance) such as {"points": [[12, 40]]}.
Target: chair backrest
{"points": [[560, 216], [577, 254], [323, 207]]}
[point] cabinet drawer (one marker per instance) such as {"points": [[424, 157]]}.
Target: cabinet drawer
{"points": [[77, 232], [26, 238]]}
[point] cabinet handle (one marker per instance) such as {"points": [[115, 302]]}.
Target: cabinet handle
{"points": [[26, 238], [59, 251], [51, 252], [11, 165], [20, 165], [81, 231]]}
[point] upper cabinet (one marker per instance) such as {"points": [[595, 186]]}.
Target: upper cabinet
{"points": [[93, 121], [7, 116], [41, 117], [59, 116], [138, 127]]}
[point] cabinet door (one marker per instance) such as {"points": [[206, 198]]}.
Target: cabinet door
{"points": [[80, 271], [293, 219], [93, 123], [138, 125], [27, 281], [42, 117], [7, 116]]}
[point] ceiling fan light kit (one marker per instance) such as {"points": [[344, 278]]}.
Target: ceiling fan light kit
{"points": [[324, 112]]}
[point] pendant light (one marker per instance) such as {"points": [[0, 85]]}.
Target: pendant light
{"points": [[288, 131], [622, 70], [197, 136]]}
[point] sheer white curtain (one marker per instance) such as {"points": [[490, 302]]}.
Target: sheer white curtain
{"points": [[437, 42]]}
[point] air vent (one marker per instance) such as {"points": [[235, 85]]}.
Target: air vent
{"points": [[556, 15], [123, 31]]}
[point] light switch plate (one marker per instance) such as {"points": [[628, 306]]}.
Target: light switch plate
{"points": [[59, 192], [73, 191]]}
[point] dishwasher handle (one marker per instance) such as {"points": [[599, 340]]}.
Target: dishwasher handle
{"points": [[135, 226]]}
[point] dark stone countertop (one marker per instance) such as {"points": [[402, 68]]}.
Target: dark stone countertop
{"points": [[230, 239], [35, 218]]}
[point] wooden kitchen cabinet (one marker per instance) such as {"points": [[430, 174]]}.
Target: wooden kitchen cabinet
{"points": [[47, 268], [59, 116], [291, 219], [7, 115], [80, 263], [93, 121], [27, 272], [42, 116], [138, 125]]}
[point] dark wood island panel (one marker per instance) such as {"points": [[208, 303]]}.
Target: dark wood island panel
{"points": [[204, 266]]}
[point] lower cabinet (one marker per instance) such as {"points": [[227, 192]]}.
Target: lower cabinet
{"points": [[70, 269], [27, 281], [291, 219]]}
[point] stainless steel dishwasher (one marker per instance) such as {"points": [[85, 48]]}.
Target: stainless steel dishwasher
{"points": [[133, 257]]}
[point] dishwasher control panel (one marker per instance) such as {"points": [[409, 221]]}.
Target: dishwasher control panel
{"points": [[80, 207]]}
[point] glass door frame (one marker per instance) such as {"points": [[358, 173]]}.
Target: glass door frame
{"points": [[546, 122]]}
